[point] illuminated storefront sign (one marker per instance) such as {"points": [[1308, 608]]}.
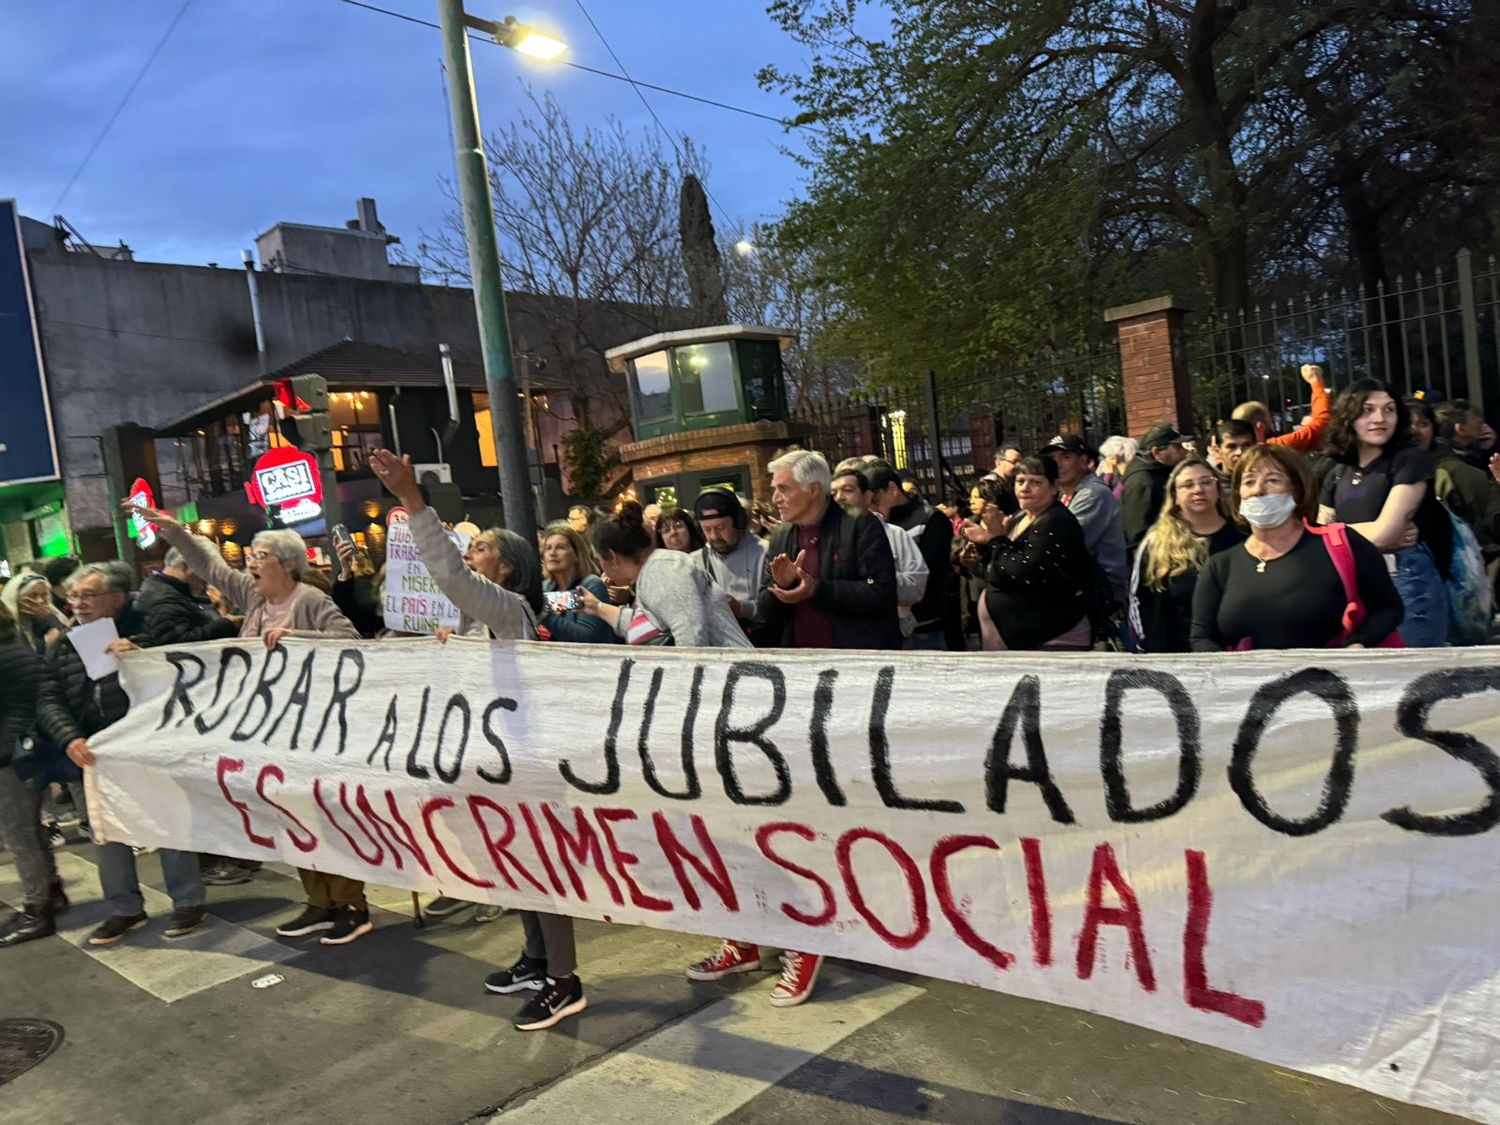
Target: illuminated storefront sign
{"points": [[289, 480]]}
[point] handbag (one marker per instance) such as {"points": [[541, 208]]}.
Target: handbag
{"points": [[1342, 556]]}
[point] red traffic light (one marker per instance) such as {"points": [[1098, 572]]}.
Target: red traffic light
{"points": [[287, 396]]}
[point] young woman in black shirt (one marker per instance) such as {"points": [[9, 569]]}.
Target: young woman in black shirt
{"points": [[1194, 524], [1280, 589], [1380, 487], [1040, 573]]}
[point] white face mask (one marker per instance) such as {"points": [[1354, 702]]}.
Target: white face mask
{"points": [[1269, 509]]}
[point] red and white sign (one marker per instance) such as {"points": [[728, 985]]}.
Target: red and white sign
{"points": [[142, 497], [288, 478]]}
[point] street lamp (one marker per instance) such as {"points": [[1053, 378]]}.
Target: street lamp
{"points": [[744, 248], [511, 447], [518, 36]]}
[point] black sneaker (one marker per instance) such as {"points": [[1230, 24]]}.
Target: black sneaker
{"points": [[553, 1004], [185, 920], [28, 925], [525, 973], [226, 875], [442, 906], [57, 899], [349, 925], [313, 920], [113, 929]]}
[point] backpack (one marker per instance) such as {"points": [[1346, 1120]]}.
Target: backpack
{"points": [[1470, 595]]}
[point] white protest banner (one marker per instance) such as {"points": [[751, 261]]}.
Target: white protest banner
{"points": [[1289, 855], [413, 602]]}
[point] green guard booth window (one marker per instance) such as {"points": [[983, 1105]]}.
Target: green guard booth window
{"points": [[706, 375], [653, 385]]}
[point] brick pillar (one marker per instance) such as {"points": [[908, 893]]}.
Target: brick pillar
{"points": [[1153, 364]]}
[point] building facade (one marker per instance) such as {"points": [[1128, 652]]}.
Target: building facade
{"points": [[161, 370]]}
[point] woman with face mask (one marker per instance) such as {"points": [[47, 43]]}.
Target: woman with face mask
{"points": [[1281, 589]]}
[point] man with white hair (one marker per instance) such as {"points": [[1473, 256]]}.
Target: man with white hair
{"points": [[831, 583], [71, 710], [832, 578], [170, 613]]}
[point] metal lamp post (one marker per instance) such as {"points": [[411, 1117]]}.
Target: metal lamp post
{"points": [[484, 250]]}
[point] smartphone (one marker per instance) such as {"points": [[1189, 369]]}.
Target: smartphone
{"points": [[564, 601], [341, 534]]}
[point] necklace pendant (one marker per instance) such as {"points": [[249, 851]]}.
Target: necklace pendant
{"points": [[1260, 567]]}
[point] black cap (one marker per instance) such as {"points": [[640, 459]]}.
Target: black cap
{"points": [[717, 502], [1163, 434], [1068, 443]]}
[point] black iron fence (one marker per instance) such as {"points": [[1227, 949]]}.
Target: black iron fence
{"points": [[1437, 332], [971, 417]]}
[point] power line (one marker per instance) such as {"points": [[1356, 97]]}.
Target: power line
{"points": [[651, 109], [113, 117], [602, 73]]}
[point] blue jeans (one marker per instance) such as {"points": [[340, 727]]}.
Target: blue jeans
{"points": [[928, 642], [1425, 597], [117, 878]]}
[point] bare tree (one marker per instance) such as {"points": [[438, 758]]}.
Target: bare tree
{"points": [[590, 219], [766, 284]]}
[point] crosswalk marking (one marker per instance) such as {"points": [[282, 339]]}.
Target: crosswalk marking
{"points": [[708, 1065], [169, 970]]}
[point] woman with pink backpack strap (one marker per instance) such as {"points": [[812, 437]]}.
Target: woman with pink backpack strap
{"points": [[1291, 584]]}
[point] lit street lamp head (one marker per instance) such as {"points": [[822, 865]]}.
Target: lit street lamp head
{"points": [[529, 41], [518, 36]]}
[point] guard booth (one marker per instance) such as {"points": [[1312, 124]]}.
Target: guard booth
{"points": [[708, 408]]}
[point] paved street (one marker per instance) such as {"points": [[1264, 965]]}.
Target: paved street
{"points": [[396, 1029]]}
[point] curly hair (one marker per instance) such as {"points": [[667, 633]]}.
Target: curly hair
{"points": [[1341, 442]]}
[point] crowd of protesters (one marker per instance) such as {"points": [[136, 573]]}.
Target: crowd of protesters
{"points": [[1374, 522]]}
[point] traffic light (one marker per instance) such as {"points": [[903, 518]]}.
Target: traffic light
{"points": [[302, 408]]}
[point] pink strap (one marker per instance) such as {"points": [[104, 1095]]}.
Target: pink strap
{"points": [[1342, 556]]}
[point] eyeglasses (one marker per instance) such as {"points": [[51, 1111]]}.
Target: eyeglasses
{"points": [[260, 555], [90, 595]]}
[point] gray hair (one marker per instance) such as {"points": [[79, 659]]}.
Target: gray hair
{"points": [[172, 558], [525, 576], [1119, 448], [117, 576], [807, 468], [286, 546]]}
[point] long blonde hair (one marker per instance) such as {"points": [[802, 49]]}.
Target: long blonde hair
{"points": [[1172, 548]]}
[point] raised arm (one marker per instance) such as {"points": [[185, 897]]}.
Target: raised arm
{"points": [[503, 611], [203, 559]]}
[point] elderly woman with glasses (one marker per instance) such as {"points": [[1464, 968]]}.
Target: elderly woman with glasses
{"points": [[276, 603]]}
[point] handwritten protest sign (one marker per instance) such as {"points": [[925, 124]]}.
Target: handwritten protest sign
{"points": [[1289, 855], [413, 602]]}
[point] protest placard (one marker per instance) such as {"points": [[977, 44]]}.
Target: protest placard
{"points": [[413, 602]]}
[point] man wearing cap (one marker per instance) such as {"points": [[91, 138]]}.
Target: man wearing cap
{"points": [[1093, 505], [734, 559], [1146, 480]]}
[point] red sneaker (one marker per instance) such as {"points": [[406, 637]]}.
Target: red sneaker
{"points": [[799, 972], [732, 957]]}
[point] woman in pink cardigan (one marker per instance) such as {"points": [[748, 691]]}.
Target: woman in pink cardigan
{"points": [[276, 603]]}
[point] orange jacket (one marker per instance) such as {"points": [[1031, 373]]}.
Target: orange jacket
{"points": [[1304, 439]]}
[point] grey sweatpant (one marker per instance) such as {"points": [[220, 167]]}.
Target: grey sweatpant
{"points": [[549, 937], [21, 828]]}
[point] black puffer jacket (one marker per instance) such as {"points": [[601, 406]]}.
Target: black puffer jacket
{"points": [[22, 675], [170, 615], [74, 706]]}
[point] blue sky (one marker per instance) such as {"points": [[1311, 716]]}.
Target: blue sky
{"points": [[264, 110]]}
